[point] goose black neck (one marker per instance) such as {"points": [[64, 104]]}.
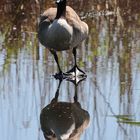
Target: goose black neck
{"points": [[61, 9]]}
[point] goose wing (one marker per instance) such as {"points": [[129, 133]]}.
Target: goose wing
{"points": [[49, 14], [80, 28], [72, 17]]}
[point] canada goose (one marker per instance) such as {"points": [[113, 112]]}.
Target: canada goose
{"points": [[63, 120], [61, 29]]}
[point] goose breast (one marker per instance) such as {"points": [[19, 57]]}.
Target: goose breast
{"points": [[59, 35]]}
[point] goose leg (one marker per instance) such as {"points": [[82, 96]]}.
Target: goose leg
{"points": [[56, 60], [76, 71], [55, 99], [60, 74]]}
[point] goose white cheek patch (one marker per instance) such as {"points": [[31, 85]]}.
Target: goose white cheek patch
{"points": [[57, 1]]}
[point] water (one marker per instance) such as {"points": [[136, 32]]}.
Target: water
{"points": [[110, 56]]}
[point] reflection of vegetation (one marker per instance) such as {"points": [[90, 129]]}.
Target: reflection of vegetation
{"points": [[14, 47]]}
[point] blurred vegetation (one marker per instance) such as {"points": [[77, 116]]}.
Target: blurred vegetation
{"points": [[22, 16], [113, 42], [127, 119]]}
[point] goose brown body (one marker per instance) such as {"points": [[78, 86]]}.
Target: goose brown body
{"points": [[63, 33]]}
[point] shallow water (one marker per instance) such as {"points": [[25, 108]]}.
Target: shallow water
{"points": [[110, 56]]}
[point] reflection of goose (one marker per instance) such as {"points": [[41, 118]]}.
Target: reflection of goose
{"points": [[61, 29], [63, 120]]}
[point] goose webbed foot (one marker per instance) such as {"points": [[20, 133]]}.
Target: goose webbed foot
{"points": [[61, 75], [76, 72], [76, 80]]}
